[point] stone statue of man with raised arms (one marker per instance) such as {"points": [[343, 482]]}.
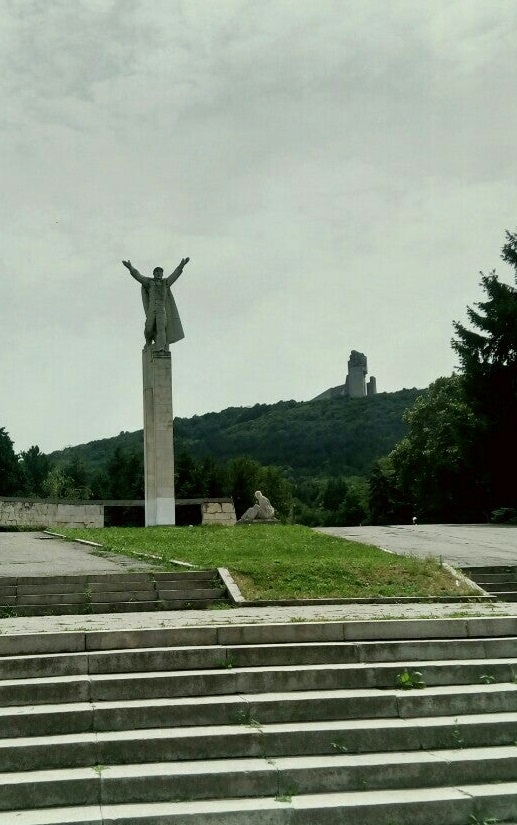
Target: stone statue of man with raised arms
{"points": [[162, 320]]}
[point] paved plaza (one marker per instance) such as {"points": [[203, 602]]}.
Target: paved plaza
{"points": [[461, 545], [38, 554]]}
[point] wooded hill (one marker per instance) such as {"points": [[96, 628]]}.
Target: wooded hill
{"points": [[329, 437]]}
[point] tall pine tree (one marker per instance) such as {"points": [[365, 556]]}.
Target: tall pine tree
{"points": [[488, 357], [11, 475]]}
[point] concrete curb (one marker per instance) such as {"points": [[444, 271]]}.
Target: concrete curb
{"points": [[232, 587], [134, 553], [460, 575]]}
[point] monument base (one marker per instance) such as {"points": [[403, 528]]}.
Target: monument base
{"points": [[158, 447], [160, 511]]}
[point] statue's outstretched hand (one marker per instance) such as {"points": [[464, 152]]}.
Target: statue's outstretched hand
{"points": [[127, 264], [184, 262]]}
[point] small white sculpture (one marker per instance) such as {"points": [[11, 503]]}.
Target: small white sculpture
{"points": [[262, 510]]}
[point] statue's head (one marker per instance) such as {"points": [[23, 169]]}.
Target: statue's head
{"points": [[158, 272]]}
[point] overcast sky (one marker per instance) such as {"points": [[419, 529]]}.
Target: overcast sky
{"points": [[338, 171]]}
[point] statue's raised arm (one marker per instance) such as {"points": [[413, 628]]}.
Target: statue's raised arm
{"points": [[177, 272], [135, 273]]}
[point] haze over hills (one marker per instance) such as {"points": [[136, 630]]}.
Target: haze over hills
{"points": [[327, 437]]}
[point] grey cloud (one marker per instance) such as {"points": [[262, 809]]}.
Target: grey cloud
{"points": [[337, 171]]}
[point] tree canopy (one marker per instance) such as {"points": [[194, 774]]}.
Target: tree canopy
{"points": [[488, 356], [11, 473]]}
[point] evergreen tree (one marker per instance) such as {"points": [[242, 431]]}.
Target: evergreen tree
{"points": [[11, 474], [355, 505], [436, 465], [187, 473], [58, 485], [213, 478], [488, 356], [123, 478], [35, 466], [243, 481], [78, 476], [334, 494], [386, 503]]}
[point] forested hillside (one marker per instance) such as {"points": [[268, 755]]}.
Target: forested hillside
{"points": [[330, 437]]}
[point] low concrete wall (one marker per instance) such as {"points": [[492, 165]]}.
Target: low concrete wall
{"points": [[49, 513], [218, 512], [15, 512]]}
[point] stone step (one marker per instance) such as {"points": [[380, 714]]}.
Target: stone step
{"points": [[456, 806], [235, 656], [257, 634], [170, 594], [73, 815], [298, 724], [47, 719], [292, 678], [80, 587], [452, 805], [495, 587], [85, 598], [216, 779], [193, 575], [63, 609], [114, 606], [173, 683], [84, 749], [37, 596], [191, 603], [507, 596], [489, 570]]}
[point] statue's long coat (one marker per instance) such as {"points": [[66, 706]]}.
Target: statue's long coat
{"points": [[174, 330]]}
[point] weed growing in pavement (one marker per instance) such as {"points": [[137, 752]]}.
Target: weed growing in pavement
{"points": [[244, 718], [410, 680], [7, 612], [87, 593], [487, 678], [459, 741]]}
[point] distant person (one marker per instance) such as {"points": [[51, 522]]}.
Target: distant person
{"points": [[415, 520]]}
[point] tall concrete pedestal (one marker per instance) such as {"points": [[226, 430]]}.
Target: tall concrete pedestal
{"points": [[158, 446]]}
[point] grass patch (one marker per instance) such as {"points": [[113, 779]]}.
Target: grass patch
{"points": [[284, 561]]}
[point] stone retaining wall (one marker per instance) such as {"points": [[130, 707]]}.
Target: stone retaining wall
{"points": [[218, 512], [20, 513], [15, 512]]}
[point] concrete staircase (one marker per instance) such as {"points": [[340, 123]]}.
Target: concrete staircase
{"points": [[499, 581], [109, 593], [291, 724]]}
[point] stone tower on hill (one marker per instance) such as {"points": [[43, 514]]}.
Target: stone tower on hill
{"points": [[355, 385]]}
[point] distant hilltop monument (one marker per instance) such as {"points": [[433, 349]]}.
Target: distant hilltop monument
{"points": [[355, 385]]}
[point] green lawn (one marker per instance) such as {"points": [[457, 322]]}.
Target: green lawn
{"points": [[284, 562]]}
